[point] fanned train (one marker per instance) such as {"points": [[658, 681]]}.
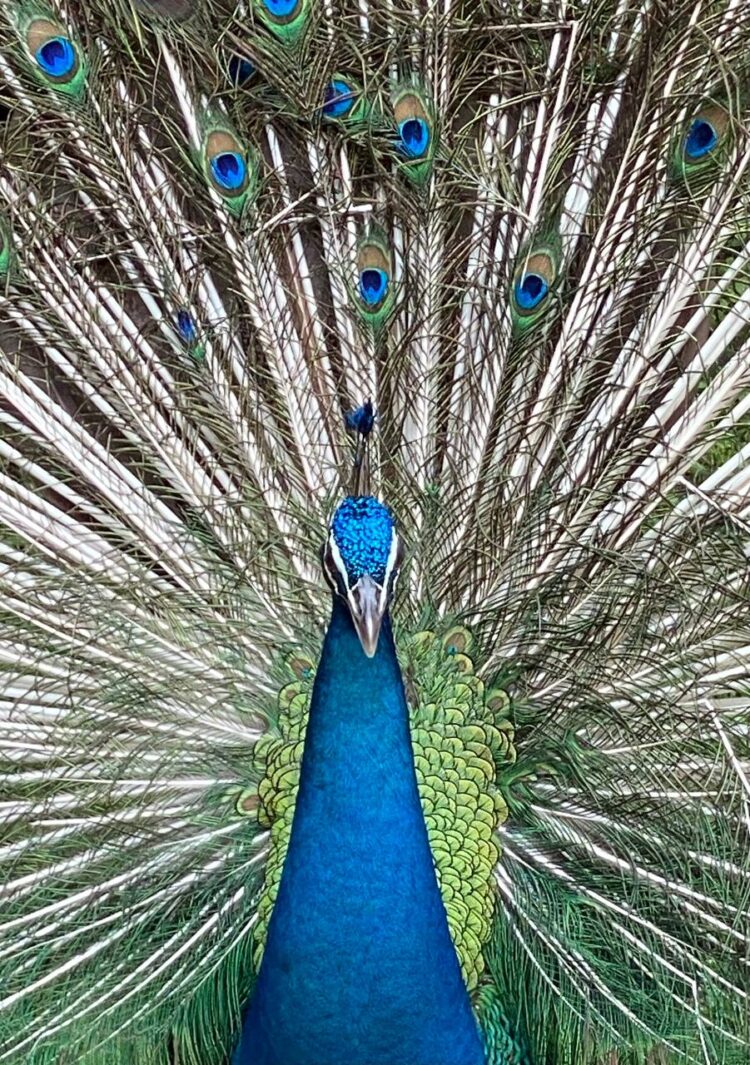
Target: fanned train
{"points": [[374, 525]]}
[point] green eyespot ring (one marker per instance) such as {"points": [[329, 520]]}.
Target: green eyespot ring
{"points": [[55, 55]]}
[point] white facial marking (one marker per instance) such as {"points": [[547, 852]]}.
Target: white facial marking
{"points": [[392, 556], [337, 559]]}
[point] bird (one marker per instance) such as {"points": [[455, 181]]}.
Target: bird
{"points": [[374, 525]]}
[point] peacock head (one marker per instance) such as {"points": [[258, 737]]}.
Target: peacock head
{"points": [[361, 561]]}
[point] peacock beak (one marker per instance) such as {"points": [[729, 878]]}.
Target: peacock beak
{"points": [[367, 606]]}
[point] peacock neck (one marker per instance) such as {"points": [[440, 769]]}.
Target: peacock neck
{"points": [[359, 967]]}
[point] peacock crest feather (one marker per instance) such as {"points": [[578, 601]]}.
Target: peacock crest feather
{"points": [[374, 481]]}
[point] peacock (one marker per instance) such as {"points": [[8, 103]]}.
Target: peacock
{"points": [[374, 532]]}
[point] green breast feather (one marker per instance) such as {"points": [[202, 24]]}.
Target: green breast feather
{"points": [[462, 735]]}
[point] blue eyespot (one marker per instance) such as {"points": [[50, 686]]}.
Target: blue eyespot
{"points": [[240, 70], [415, 137], [229, 170], [363, 529], [281, 8], [530, 290], [186, 326], [56, 57], [701, 139], [339, 99], [373, 285]]}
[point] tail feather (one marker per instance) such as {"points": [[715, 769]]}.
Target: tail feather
{"points": [[177, 360]]}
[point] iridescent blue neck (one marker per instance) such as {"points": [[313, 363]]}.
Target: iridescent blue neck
{"points": [[359, 967]]}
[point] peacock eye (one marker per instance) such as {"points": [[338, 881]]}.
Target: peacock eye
{"points": [[396, 571], [286, 19], [230, 167], [229, 170], [240, 70], [331, 571], [414, 138], [374, 277], [413, 112], [56, 57], [532, 285], [281, 8], [340, 98], [530, 290], [186, 326], [373, 286], [701, 141], [701, 138]]}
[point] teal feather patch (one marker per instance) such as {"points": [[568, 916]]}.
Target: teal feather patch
{"points": [[462, 737], [503, 1041], [344, 101], [6, 248], [286, 19]]}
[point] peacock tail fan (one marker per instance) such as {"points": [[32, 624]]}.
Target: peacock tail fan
{"points": [[519, 230]]}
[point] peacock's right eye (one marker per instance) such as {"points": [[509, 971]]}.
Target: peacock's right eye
{"points": [[331, 571]]}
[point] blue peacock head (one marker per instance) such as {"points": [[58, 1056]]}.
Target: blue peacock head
{"points": [[361, 561]]}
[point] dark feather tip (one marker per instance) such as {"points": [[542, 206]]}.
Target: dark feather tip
{"points": [[186, 326], [241, 70], [362, 419]]}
